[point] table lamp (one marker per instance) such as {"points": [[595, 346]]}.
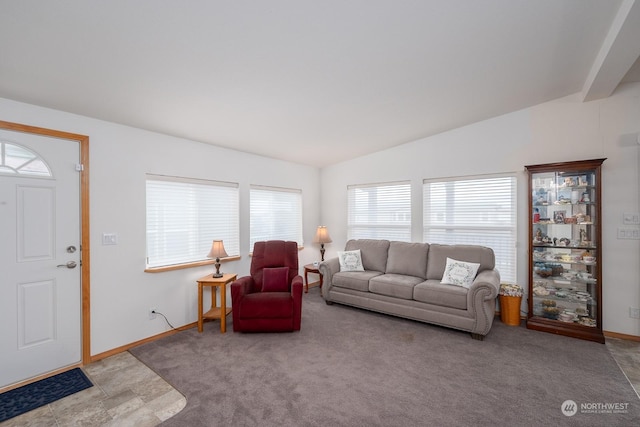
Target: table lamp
{"points": [[217, 251], [322, 237]]}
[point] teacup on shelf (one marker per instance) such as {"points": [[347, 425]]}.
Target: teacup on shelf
{"points": [[564, 317]]}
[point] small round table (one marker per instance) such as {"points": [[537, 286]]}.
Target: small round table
{"points": [[310, 268]]}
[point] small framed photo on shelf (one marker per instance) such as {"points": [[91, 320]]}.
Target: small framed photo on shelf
{"points": [[558, 217]]}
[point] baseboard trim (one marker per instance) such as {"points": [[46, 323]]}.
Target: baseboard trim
{"points": [[621, 336], [126, 347], [609, 334]]}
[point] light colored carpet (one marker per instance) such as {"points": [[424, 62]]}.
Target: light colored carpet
{"points": [[350, 367]]}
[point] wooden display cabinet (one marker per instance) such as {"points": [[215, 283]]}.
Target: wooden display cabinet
{"points": [[565, 255]]}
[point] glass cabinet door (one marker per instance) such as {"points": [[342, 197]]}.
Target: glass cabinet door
{"points": [[565, 257]]}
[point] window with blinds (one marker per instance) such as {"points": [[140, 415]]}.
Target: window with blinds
{"points": [[379, 211], [477, 211], [185, 215], [275, 214]]}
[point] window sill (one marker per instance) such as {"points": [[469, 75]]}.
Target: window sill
{"points": [[162, 269]]}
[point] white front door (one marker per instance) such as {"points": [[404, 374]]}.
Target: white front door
{"points": [[40, 288]]}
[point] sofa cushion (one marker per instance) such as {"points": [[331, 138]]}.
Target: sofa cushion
{"points": [[434, 292], [350, 260], [438, 255], [459, 273], [374, 252], [356, 280], [275, 279], [394, 285], [408, 258]]}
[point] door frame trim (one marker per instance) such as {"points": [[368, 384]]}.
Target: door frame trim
{"points": [[85, 253]]}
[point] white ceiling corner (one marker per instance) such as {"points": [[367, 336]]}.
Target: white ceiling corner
{"points": [[620, 51]]}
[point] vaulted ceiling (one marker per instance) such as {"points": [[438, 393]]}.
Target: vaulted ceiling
{"points": [[313, 82]]}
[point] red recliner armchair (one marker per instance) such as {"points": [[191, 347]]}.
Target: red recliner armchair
{"points": [[270, 300]]}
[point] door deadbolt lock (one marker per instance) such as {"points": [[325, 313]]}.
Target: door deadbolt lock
{"points": [[71, 249]]}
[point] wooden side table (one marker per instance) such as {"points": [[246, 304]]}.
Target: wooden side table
{"points": [[215, 312], [310, 268]]}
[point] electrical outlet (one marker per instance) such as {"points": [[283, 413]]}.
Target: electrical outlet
{"points": [[152, 313], [634, 313]]}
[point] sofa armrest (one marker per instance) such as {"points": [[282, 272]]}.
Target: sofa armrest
{"points": [[489, 279], [328, 268], [481, 299]]}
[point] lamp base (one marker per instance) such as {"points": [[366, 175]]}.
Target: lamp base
{"points": [[217, 274]]}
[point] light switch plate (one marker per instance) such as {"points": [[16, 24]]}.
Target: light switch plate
{"points": [[109, 239], [631, 218], [629, 233]]}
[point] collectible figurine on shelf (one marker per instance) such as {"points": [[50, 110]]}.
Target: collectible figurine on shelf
{"points": [[583, 237], [538, 236]]}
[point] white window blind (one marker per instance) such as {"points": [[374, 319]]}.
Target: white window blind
{"points": [[477, 211], [379, 211], [185, 215], [276, 214]]}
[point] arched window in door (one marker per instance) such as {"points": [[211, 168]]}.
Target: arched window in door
{"points": [[15, 159]]}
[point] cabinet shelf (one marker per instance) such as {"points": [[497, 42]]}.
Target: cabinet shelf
{"points": [[565, 290], [584, 248]]}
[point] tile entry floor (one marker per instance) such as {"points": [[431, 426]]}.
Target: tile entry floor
{"points": [[127, 393]]}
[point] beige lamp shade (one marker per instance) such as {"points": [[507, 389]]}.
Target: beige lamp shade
{"points": [[217, 251], [322, 237]]}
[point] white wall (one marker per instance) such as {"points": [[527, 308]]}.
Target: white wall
{"points": [[120, 156], [562, 130]]}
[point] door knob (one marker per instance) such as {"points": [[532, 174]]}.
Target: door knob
{"points": [[70, 264]]}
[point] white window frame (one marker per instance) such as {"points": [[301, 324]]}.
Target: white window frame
{"points": [[275, 214], [379, 211], [180, 230], [485, 215]]}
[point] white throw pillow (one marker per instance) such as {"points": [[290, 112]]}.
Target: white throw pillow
{"points": [[459, 273], [350, 260]]}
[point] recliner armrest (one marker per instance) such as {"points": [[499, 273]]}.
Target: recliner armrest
{"points": [[241, 287], [296, 295], [296, 286]]}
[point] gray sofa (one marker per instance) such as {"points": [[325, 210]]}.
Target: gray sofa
{"points": [[403, 279]]}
